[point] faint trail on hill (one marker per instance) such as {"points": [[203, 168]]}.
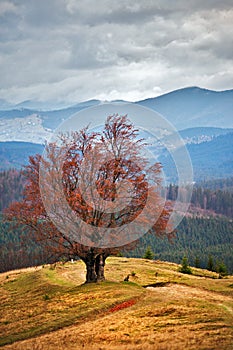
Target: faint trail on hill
{"points": [[78, 276], [183, 292], [229, 309]]}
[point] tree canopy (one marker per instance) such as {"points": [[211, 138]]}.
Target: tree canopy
{"points": [[92, 193]]}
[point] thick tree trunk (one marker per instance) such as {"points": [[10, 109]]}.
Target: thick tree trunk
{"points": [[90, 266], [99, 267], [91, 274], [95, 267]]}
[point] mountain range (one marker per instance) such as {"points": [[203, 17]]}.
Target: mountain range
{"points": [[203, 117], [194, 107]]}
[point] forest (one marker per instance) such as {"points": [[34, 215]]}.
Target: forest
{"points": [[197, 237], [215, 195], [11, 187], [218, 200]]}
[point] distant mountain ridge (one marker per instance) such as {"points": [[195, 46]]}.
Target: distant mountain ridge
{"points": [[210, 159], [202, 134], [15, 154], [204, 118], [194, 107], [184, 108]]}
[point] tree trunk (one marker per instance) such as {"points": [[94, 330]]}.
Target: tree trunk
{"points": [[89, 260], [95, 266], [99, 267], [91, 274]]}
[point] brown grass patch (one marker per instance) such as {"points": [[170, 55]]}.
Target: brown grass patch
{"points": [[181, 312]]}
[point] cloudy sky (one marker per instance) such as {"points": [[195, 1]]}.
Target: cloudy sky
{"points": [[74, 50]]}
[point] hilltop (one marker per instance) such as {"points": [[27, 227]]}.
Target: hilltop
{"points": [[49, 307]]}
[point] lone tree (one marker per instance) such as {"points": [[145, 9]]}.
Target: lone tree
{"points": [[197, 262], [185, 268], [210, 263], [221, 269], [95, 201], [148, 254]]}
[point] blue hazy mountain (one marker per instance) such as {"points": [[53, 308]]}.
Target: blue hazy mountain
{"points": [[50, 118], [204, 118], [194, 107], [202, 134], [5, 104], [210, 159], [184, 108], [15, 154]]}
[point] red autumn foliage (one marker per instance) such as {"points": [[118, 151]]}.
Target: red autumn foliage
{"points": [[123, 305], [85, 149]]}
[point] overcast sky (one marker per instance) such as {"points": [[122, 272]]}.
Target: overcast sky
{"points": [[74, 50]]}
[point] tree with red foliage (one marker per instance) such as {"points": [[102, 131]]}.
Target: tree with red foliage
{"points": [[83, 195]]}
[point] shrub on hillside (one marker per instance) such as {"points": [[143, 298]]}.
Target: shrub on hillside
{"points": [[185, 268]]}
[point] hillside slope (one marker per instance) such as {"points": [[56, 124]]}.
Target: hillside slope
{"points": [[175, 311], [210, 160], [15, 154]]}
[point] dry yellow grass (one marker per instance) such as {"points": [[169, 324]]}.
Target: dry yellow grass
{"points": [[187, 312]]}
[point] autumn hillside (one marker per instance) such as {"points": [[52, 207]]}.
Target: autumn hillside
{"points": [[48, 307]]}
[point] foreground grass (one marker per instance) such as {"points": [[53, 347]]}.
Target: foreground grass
{"points": [[181, 312]]}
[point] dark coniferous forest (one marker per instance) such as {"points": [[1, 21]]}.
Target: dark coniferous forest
{"points": [[11, 187], [215, 196], [206, 232]]}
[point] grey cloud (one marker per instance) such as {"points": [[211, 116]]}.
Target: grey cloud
{"points": [[7, 7], [46, 14], [70, 49], [137, 11]]}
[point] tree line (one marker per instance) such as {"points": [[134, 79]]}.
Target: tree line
{"points": [[217, 184], [214, 195], [219, 201], [18, 250], [11, 187], [197, 239]]}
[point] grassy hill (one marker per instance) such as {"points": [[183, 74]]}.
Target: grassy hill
{"points": [[50, 308]]}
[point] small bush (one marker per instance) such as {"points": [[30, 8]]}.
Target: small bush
{"points": [[52, 266], [46, 297], [63, 260], [148, 254], [210, 264], [185, 267], [120, 255], [221, 269], [197, 262]]}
